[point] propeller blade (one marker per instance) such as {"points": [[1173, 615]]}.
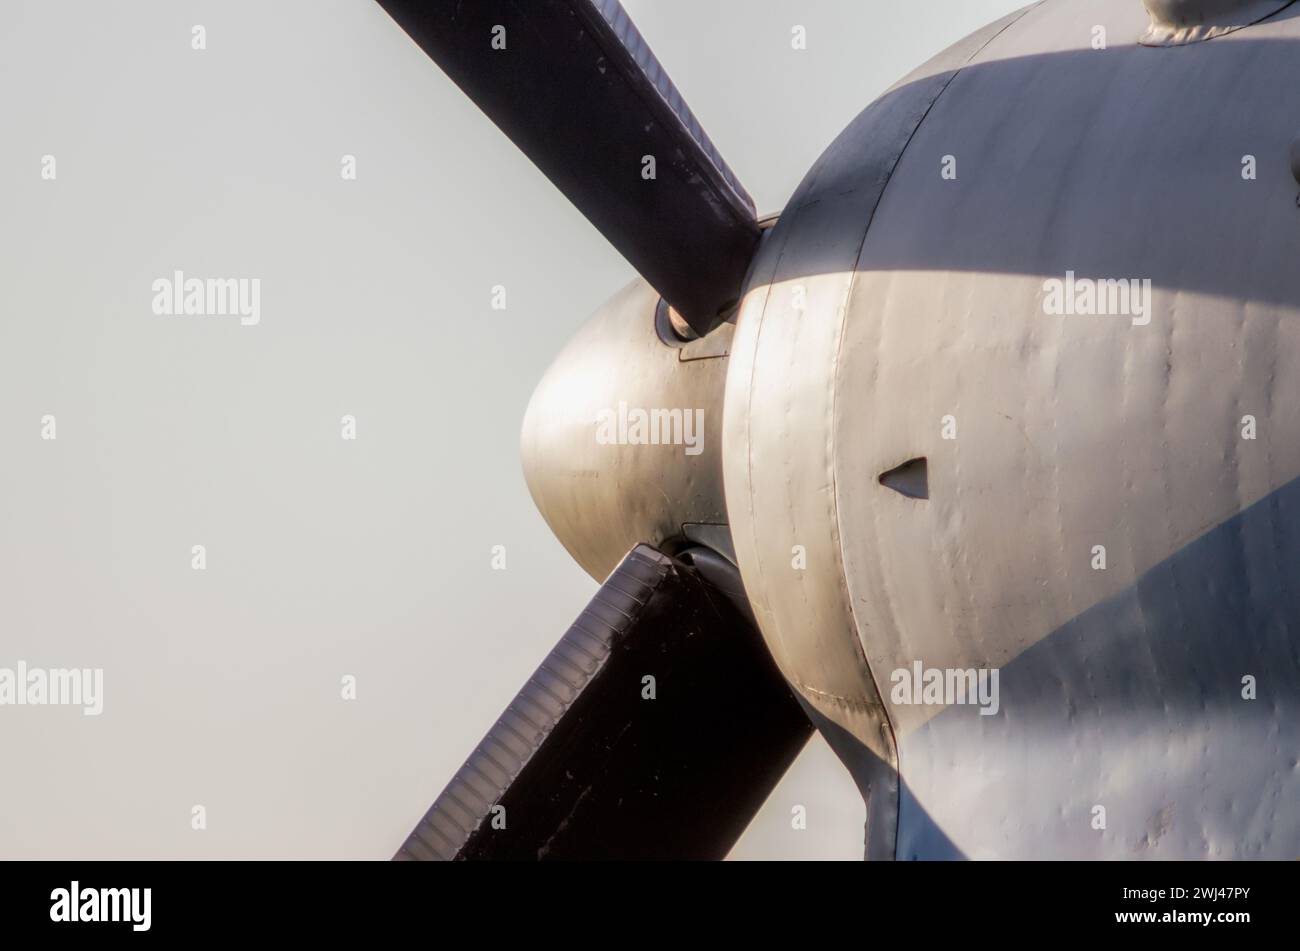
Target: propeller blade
{"points": [[593, 760], [574, 85]]}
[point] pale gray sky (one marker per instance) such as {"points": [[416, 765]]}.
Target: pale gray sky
{"points": [[324, 557]]}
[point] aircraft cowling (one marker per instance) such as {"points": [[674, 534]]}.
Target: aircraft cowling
{"points": [[1111, 502]]}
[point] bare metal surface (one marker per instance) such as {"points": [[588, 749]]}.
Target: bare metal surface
{"points": [[1176, 22], [602, 500], [1122, 687], [921, 463], [779, 449]]}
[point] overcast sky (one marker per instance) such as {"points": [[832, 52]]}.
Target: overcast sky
{"points": [[325, 558]]}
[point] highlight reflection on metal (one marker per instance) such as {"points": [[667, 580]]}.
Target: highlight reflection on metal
{"points": [[1174, 22], [918, 462]]}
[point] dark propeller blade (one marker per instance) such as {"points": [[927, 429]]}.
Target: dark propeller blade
{"points": [[593, 760], [576, 88]]}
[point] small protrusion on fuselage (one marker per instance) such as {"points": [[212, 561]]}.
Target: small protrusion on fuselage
{"points": [[1179, 22]]}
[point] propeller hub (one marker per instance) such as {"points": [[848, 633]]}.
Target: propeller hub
{"points": [[621, 442]]}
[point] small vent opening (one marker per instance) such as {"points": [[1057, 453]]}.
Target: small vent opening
{"points": [[911, 479]]}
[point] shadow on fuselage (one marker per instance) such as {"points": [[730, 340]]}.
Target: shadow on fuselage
{"points": [[1117, 163], [1114, 164], [1175, 705]]}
